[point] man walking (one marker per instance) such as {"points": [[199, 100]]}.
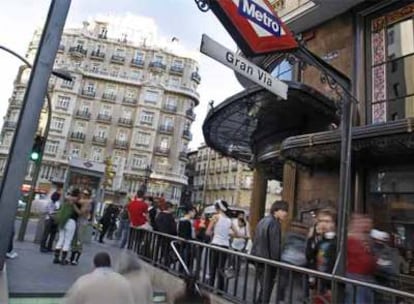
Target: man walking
{"points": [[103, 285], [267, 244]]}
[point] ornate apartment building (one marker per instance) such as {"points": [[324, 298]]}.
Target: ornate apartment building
{"points": [[128, 101], [213, 176]]}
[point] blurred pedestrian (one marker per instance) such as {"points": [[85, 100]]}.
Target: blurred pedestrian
{"points": [[124, 225], [239, 241], [186, 231], [267, 243], [83, 223], [67, 218], [165, 223], [220, 230], [51, 226], [200, 226], [138, 211], [108, 219], [103, 285], [130, 268], [361, 261]]}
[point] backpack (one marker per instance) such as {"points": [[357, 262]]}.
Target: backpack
{"points": [[294, 249]]}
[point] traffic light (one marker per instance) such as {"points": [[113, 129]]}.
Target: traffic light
{"points": [[109, 173], [37, 148]]}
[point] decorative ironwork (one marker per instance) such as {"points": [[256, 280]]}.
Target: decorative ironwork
{"points": [[203, 5]]}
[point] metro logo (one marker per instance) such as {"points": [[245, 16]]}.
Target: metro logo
{"points": [[254, 26], [259, 16]]}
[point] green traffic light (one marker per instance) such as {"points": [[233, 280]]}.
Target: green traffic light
{"points": [[34, 156]]}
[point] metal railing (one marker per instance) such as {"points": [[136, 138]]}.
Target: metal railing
{"points": [[239, 277]]}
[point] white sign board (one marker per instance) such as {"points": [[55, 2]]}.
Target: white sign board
{"points": [[242, 66]]}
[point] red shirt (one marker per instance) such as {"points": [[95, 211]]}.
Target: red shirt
{"points": [[137, 210], [360, 258]]}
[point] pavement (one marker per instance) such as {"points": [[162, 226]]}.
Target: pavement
{"points": [[33, 273]]}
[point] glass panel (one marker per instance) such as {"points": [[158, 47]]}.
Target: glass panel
{"points": [[400, 40], [400, 75]]}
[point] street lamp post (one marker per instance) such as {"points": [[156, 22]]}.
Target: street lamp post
{"points": [[147, 175], [63, 74]]}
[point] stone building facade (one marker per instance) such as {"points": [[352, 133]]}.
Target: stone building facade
{"points": [[130, 101]]}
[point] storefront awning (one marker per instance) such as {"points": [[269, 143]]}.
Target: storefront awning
{"points": [[393, 140]]}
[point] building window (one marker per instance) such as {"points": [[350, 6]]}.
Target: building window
{"points": [[135, 75], [283, 71], [63, 102], [158, 58], [391, 64], [97, 154], [84, 108], [164, 143], [171, 102], [151, 97], [143, 139], [147, 117], [115, 72], [130, 93], [106, 110], [68, 83], [122, 135], [52, 147], [96, 67], [139, 161], [57, 123], [80, 127], [139, 56], [175, 82], [101, 132], [126, 113], [110, 90], [90, 87], [75, 151], [177, 63]]}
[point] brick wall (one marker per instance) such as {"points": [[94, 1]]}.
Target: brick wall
{"points": [[315, 190], [332, 41]]}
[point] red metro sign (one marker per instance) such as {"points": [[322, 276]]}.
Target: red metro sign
{"points": [[254, 26]]}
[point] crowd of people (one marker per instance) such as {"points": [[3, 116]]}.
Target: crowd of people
{"points": [[370, 258]]}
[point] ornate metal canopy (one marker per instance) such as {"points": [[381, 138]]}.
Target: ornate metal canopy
{"points": [[250, 125]]}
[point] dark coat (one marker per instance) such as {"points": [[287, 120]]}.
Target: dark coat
{"points": [[165, 223], [267, 239]]}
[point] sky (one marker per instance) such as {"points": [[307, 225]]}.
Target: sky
{"points": [[172, 18]]}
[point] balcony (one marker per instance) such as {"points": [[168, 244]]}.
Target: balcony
{"points": [[98, 55], [111, 97], [187, 134], [196, 77], [166, 129], [16, 102], [118, 59], [169, 108], [88, 93], [99, 140], [183, 156], [156, 65], [121, 144], [223, 186], [77, 51], [211, 171], [61, 48], [232, 186], [78, 136], [83, 114], [177, 70], [138, 63], [162, 151], [104, 118], [125, 122], [190, 114], [131, 101], [10, 124]]}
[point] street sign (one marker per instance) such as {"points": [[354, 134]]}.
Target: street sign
{"points": [[254, 25], [242, 66]]}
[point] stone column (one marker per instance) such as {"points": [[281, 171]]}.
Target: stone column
{"points": [[258, 198]]}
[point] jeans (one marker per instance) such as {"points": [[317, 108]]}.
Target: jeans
{"points": [[363, 295], [49, 234], [66, 235], [217, 266], [124, 232]]}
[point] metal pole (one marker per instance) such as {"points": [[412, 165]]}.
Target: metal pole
{"points": [[15, 169], [38, 166], [203, 203]]}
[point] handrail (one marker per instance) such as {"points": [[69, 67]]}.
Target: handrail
{"points": [[277, 264], [184, 265]]}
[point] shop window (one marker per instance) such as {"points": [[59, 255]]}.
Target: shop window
{"points": [[391, 66]]}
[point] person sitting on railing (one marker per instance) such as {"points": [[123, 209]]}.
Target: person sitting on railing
{"points": [[267, 243]]}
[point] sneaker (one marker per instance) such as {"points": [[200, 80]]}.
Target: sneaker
{"points": [[11, 255], [73, 263]]}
